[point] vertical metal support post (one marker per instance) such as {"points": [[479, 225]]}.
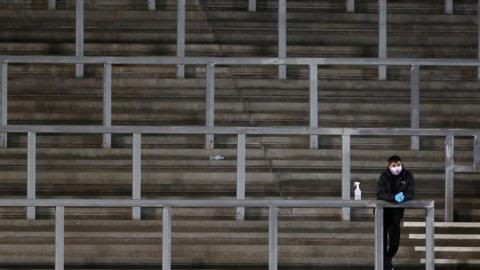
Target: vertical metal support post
{"points": [[449, 177], [107, 103], [181, 36], [241, 151], [52, 4], [79, 35], [379, 238], [252, 5], [59, 237], [3, 102], [346, 175], [282, 37], [313, 104], [476, 153], [430, 239], [415, 105], [136, 173], [210, 106], [167, 238], [478, 36], [31, 172], [152, 5], [448, 6], [273, 239], [382, 37], [351, 6]]}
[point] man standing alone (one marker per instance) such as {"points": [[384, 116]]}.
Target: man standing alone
{"points": [[396, 185]]}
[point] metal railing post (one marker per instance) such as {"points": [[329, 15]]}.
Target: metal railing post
{"points": [[351, 6], [79, 35], [282, 37], [382, 37], [476, 153], [273, 238], [210, 106], [345, 174], [31, 171], [252, 5], [52, 4], [152, 5], [379, 238], [478, 36], [313, 104], [449, 177], [448, 6], [181, 36], [59, 237], [136, 173], [430, 239], [167, 238], [107, 103], [241, 153], [415, 104], [3, 101]]}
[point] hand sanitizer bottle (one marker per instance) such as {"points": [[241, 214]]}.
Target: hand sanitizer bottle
{"points": [[357, 192]]}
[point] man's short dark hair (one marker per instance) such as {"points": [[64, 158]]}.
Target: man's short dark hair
{"points": [[393, 159]]}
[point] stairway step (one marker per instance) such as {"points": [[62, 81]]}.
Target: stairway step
{"points": [[444, 224]]}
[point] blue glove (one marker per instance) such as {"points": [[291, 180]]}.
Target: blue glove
{"points": [[399, 197]]}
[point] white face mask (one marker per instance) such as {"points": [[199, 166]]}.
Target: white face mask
{"points": [[396, 170]]}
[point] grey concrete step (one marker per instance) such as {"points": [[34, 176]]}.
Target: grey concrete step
{"points": [[348, 73], [134, 79], [198, 141], [455, 243], [302, 247], [370, 6]]}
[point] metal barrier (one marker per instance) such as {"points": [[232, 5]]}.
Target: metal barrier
{"points": [[241, 133], [282, 31], [211, 62], [273, 206]]}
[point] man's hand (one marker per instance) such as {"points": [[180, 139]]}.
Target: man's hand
{"points": [[399, 197]]}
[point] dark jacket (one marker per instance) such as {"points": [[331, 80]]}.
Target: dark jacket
{"points": [[389, 185]]}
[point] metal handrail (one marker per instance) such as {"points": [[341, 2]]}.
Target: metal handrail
{"points": [[273, 206], [240, 130], [171, 60], [216, 203]]}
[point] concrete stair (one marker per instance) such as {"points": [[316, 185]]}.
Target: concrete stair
{"points": [[366, 6], [215, 31], [190, 173], [194, 242], [141, 100], [455, 243]]}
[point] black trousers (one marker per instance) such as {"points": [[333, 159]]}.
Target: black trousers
{"points": [[391, 238]]}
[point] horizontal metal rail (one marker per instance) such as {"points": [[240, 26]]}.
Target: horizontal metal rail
{"points": [[221, 203], [171, 60], [239, 130]]}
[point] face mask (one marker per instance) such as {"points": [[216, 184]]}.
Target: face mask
{"points": [[396, 170]]}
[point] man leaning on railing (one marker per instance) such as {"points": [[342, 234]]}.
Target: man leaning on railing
{"points": [[396, 185]]}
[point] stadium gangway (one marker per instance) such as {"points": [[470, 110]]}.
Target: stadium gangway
{"points": [[273, 206], [241, 133], [210, 63], [282, 31]]}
